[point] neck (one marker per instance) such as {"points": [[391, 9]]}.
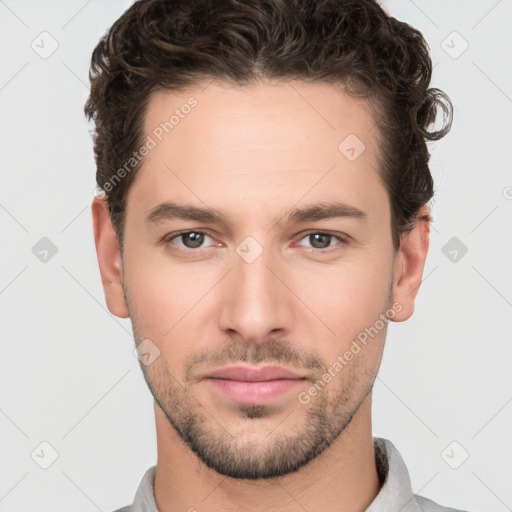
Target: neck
{"points": [[343, 478]]}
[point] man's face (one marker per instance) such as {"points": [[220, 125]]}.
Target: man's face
{"points": [[260, 290]]}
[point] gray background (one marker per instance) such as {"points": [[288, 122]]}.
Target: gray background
{"points": [[68, 376]]}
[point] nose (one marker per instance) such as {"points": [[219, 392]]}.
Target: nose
{"points": [[256, 302]]}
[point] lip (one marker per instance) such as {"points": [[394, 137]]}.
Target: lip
{"points": [[254, 374], [253, 385]]}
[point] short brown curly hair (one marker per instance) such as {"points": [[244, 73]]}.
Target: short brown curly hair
{"points": [[354, 43]]}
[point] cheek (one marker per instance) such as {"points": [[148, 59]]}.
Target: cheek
{"points": [[348, 297], [165, 297], [152, 291]]}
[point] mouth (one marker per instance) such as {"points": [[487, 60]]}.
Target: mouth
{"points": [[253, 385]]}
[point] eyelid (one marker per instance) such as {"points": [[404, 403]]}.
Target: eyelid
{"points": [[343, 240], [167, 239]]}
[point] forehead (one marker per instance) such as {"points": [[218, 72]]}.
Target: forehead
{"points": [[283, 120], [263, 143]]}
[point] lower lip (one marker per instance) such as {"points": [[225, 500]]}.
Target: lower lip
{"points": [[254, 393]]}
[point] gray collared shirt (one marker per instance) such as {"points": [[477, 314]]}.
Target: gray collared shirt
{"points": [[395, 494]]}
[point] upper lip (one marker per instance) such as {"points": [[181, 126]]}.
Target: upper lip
{"points": [[253, 374]]}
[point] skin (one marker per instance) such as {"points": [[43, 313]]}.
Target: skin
{"points": [[256, 153]]}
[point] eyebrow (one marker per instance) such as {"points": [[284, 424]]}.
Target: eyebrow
{"points": [[313, 213]]}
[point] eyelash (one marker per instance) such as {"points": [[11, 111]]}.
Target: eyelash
{"points": [[167, 241]]}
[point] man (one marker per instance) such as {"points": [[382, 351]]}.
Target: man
{"points": [[262, 216]]}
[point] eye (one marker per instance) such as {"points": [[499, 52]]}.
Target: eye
{"points": [[191, 240], [321, 241]]}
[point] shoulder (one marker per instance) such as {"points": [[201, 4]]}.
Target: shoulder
{"points": [[128, 508], [427, 505], [396, 492]]}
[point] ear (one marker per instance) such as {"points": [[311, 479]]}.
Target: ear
{"points": [[109, 258], [409, 264]]}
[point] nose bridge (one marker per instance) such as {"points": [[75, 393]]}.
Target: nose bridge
{"points": [[255, 301]]}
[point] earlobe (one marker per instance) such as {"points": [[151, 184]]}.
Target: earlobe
{"points": [[109, 258], [409, 264]]}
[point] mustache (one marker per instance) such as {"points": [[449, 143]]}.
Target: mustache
{"points": [[274, 351]]}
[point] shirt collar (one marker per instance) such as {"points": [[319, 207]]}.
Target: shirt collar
{"points": [[395, 493]]}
